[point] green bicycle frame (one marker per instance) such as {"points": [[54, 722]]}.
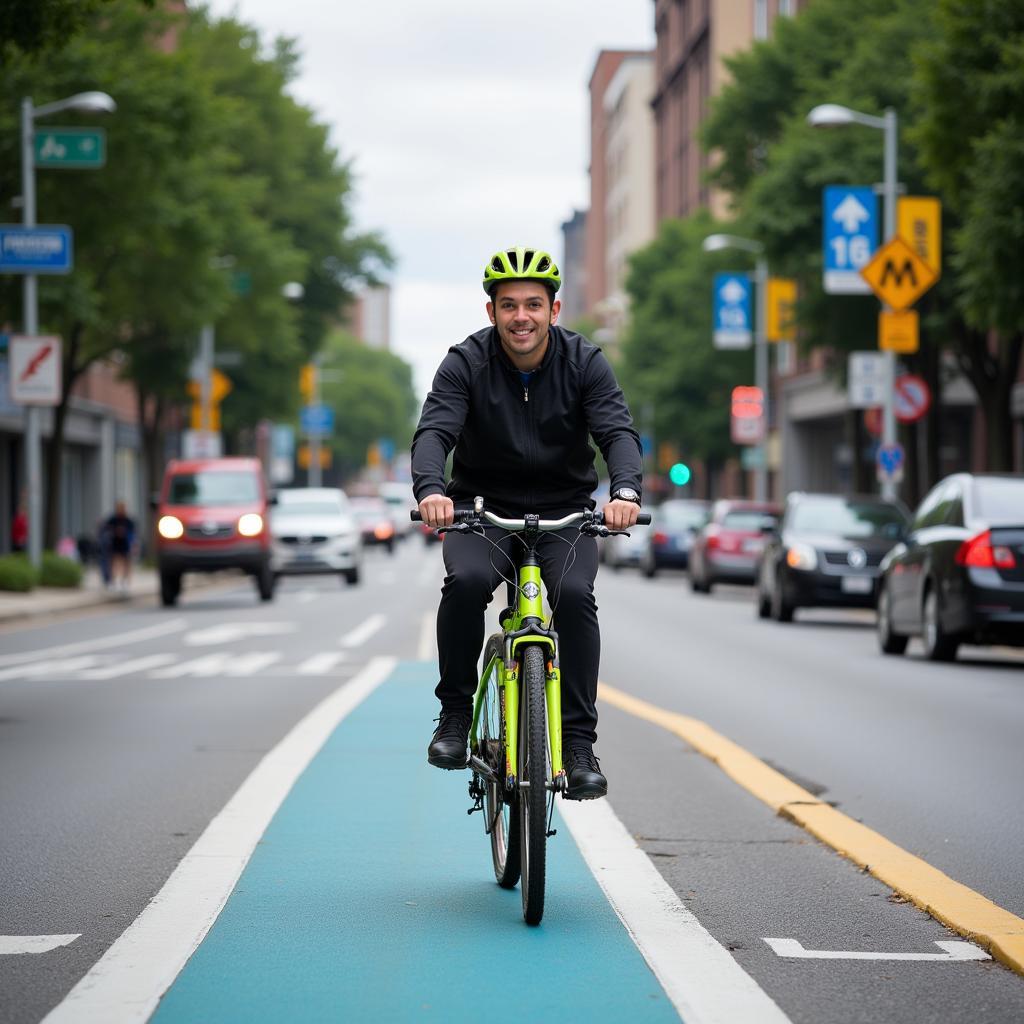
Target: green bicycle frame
{"points": [[524, 625]]}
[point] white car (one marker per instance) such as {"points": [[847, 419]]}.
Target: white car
{"points": [[400, 501], [313, 530]]}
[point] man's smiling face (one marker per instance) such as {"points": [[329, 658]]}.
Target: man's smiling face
{"points": [[522, 311]]}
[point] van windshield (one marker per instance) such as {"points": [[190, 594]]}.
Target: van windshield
{"points": [[213, 487]]}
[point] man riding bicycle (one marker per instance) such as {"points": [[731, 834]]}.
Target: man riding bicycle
{"points": [[518, 402]]}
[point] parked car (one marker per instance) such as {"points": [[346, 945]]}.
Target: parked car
{"points": [[212, 514], [376, 525], [728, 546], [313, 530], [827, 552], [399, 499], [674, 523], [622, 551], [958, 577]]}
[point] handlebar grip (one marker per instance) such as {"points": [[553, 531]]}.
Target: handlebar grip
{"points": [[644, 519], [415, 516]]}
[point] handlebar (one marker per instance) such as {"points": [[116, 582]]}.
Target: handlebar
{"points": [[543, 525]]}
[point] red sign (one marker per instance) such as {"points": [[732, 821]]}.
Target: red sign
{"points": [[873, 420], [748, 421], [911, 398]]}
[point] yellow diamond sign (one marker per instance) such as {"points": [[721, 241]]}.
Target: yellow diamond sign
{"points": [[897, 275]]}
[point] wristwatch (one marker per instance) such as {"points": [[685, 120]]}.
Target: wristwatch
{"points": [[627, 494]]}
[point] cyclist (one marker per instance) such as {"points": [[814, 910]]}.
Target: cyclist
{"points": [[518, 401]]}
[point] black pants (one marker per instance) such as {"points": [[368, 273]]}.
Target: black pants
{"points": [[474, 570]]}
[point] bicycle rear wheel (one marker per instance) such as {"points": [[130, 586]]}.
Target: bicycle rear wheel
{"points": [[500, 817], [533, 793]]}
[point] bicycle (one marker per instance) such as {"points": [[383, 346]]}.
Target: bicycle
{"points": [[515, 740]]}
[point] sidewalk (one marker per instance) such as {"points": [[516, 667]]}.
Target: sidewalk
{"points": [[145, 585]]}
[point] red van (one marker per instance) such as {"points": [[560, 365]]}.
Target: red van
{"points": [[212, 514]]}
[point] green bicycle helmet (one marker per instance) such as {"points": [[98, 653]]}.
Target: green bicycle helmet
{"points": [[521, 264]]}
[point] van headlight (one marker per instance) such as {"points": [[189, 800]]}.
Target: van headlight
{"points": [[251, 524], [801, 556], [170, 527]]}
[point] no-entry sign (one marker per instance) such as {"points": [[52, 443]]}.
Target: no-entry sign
{"points": [[912, 397]]}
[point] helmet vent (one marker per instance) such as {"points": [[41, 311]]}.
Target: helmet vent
{"points": [[544, 264], [527, 259], [496, 265]]}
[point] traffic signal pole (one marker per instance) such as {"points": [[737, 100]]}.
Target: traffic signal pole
{"points": [[889, 198], [761, 375]]}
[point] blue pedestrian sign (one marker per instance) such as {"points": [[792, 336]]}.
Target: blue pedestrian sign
{"points": [[732, 311], [890, 459], [41, 250], [316, 420], [850, 229]]}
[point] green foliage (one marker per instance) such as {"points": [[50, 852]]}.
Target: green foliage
{"points": [[34, 25], [372, 395], [57, 571], [16, 573], [669, 363]]}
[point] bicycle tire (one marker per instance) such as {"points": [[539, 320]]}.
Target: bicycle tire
{"points": [[533, 765], [501, 818]]}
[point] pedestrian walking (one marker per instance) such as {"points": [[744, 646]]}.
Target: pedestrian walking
{"points": [[119, 530]]}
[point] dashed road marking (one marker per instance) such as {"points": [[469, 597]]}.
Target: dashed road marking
{"points": [[320, 664], [143, 664], [228, 632], [955, 952], [364, 631], [114, 640], [56, 667], [13, 945]]}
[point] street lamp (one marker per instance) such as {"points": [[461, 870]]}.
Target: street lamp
{"points": [[714, 243], [97, 102], [827, 115]]}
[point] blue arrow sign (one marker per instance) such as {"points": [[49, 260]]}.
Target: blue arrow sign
{"points": [[316, 419], [850, 229], [732, 318], [890, 459], [40, 250]]}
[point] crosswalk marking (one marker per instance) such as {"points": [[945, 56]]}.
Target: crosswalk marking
{"points": [[320, 664], [207, 665], [54, 667], [124, 668], [364, 631], [249, 664]]}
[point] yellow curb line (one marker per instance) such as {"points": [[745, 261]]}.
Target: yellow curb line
{"points": [[960, 908]]}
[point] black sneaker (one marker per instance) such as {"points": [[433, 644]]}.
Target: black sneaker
{"points": [[448, 748], [584, 773]]}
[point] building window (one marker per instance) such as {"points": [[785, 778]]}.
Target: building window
{"points": [[760, 19], [786, 7]]}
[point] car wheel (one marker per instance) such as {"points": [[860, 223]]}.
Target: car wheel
{"points": [[764, 608], [888, 641], [938, 644], [782, 610], [649, 566], [170, 588], [265, 582], [351, 576]]}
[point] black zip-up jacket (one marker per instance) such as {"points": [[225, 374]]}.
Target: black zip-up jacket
{"points": [[524, 449]]}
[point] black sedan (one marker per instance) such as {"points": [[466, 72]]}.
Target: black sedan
{"points": [[827, 552], [959, 575]]}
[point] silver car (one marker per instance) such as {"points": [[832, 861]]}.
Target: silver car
{"points": [[313, 530]]}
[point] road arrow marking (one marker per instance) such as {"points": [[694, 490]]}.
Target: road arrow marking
{"points": [[955, 952], [849, 213], [32, 944]]}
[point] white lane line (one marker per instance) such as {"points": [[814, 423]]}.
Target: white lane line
{"points": [[14, 944], [129, 979], [207, 665], [700, 977], [58, 667], [364, 631], [320, 664], [228, 632], [955, 952], [126, 667], [117, 640], [250, 664], [426, 649]]}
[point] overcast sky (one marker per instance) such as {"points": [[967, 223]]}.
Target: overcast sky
{"points": [[467, 123]]}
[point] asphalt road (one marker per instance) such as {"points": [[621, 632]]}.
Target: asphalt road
{"points": [[122, 733]]}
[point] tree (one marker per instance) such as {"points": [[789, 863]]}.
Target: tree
{"points": [[36, 25], [669, 363]]}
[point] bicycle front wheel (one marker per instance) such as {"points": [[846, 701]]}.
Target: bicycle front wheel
{"points": [[533, 793], [501, 819]]}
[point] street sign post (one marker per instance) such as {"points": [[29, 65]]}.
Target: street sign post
{"points": [[35, 370], [46, 249], [850, 228], [898, 330], [897, 275], [732, 317], [70, 148], [912, 397], [866, 376], [316, 420]]}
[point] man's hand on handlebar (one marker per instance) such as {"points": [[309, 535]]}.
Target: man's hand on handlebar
{"points": [[437, 510], [620, 515]]}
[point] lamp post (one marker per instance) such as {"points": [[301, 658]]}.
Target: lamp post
{"points": [[98, 102], [828, 115], [714, 243]]}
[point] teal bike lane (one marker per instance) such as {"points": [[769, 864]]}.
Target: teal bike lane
{"points": [[371, 898]]}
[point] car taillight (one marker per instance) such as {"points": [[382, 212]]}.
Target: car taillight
{"points": [[979, 552], [713, 540], [660, 538]]}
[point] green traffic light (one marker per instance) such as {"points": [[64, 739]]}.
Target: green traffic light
{"points": [[679, 474]]}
